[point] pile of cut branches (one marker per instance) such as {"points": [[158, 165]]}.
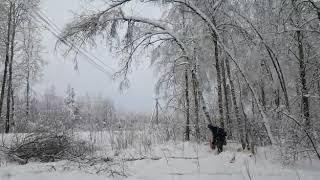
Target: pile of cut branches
{"points": [[46, 147]]}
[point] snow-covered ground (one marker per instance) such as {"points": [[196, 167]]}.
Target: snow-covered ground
{"points": [[172, 160]]}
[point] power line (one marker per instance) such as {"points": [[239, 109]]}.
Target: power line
{"points": [[57, 29], [54, 30], [41, 13], [70, 44], [60, 30]]}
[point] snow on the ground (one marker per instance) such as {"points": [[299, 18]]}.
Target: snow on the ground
{"points": [[172, 160]]}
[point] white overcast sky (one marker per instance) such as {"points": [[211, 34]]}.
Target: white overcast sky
{"points": [[60, 71]]}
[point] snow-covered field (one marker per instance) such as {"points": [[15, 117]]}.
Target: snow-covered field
{"points": [[172, 160]]}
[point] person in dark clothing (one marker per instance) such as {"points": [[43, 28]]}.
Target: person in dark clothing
{"points": [[218, 137]]}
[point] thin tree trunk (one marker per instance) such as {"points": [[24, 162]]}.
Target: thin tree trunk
{"points": [[12, 107], [187, 133], [12, 123], [277, 98], [303, 81], [157, 112], [7, 124], [244, 127], [246, 130], [226, 99], [28, 45], [263, 95], [196, 103], [4, 77], [235, 105], [28, 90], [203, 102]]}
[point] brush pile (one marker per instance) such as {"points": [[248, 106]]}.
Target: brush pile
{"points": [[46, 147]]}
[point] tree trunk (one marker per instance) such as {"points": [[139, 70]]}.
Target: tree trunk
{"points": [[187, 133], [157, 112], [187, 100], [4, 77], [204, 107], [12, 107], [9, 92], [28, 90], [277, 98], [235, 105], [245, 133], [244, 128], [29, 55], [201, 100], [318, 88], [263, 95], [303, 81], [226, 99], [196, 103], [220, 103]]}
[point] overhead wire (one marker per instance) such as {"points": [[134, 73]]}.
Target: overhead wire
{"points": [[40, 17], [59, 30], [78, 50]]}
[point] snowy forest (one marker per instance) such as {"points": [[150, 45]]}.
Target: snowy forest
{"points": [[237, 93]]}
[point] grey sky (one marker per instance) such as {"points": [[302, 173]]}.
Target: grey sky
{"points": [[60, 71]]}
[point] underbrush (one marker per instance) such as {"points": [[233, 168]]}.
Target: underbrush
{"points": [[143, 140]]}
